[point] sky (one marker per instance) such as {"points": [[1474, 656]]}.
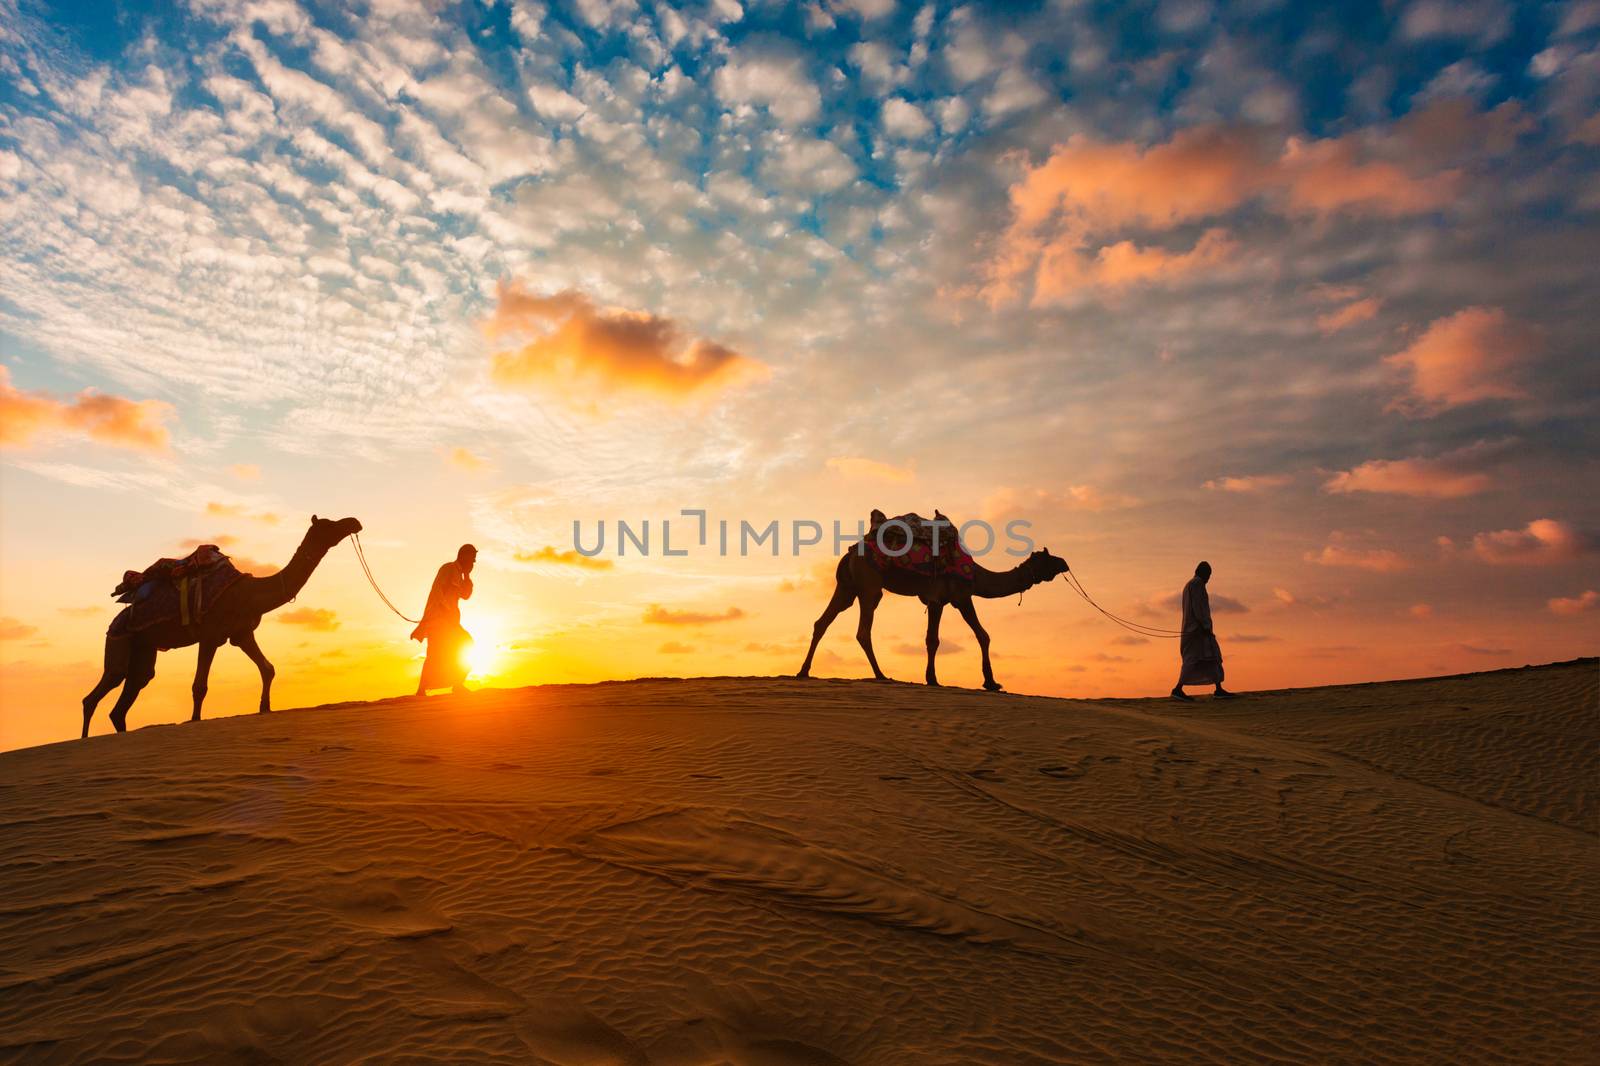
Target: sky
{"points": [[1303, 290]]}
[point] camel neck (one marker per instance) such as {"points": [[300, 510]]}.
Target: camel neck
{"points": [[995, 584], [293, 577]]}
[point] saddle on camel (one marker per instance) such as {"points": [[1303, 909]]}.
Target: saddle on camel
{"points": [[167, 590], [935, 548]]}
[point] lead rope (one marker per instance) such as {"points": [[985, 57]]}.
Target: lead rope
{"points": [[1133, 627], [361, 557]]}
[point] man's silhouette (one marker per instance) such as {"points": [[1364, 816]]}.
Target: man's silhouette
{"points": [[446, 665], [1202, 655]]}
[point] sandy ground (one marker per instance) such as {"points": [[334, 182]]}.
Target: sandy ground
{"points": [[770, 873]]}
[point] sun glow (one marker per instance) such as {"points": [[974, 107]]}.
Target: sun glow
{"points": [[486, 654]]}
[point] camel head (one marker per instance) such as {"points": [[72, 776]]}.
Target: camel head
{"points": [[326, 532], [1041, 566]]}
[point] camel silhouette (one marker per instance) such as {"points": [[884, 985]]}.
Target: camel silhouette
{"points": [[858, 577], [130, 660]]}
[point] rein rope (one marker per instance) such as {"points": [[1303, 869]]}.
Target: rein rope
{"points": [[361, 557], [1133, 627]]}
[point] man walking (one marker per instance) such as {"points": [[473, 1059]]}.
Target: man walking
{"points": [[446, 662], [1202, 655]]}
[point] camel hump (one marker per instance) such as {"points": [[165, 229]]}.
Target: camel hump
{"points": [[877, 518]]}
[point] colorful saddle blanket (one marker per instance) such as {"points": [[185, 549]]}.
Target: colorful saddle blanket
{"points": [[183, 589], [893, 553]]}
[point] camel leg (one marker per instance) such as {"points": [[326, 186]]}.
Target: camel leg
{"points": [[970, 613], [246, 642], [869, 605], [141, 668], [111, 675], [202, 672], [843, 596], [935, 610]]}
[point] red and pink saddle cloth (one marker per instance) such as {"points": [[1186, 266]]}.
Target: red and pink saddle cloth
{"points": [[182, 589], [920, 557]]}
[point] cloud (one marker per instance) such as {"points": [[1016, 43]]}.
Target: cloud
{"points": [[1249, 483], [1220, 604], [1250, 638], [871, 470], [1350, 314], [317, 619], [245, 471], [136, 424], [16, 629], [467, 460], [673, 647], [81, 612], [1089, 498], [775, 80], [1462, 358], [1571, 605], [577, 345], [1475, 649], [1420, 610], [548, 554], [1448, 477], [1340, 553], [655, 614], [226, 542], [235, 510], [1065, 211], [1541, 542], [905, 120], [1129, 640]]}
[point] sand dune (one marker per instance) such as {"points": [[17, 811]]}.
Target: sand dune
{"points": [[768, 872]]}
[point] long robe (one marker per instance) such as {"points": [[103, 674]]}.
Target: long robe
{"points": [[445, 665], [1202, 655]]}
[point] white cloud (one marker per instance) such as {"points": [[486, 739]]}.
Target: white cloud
{"points": [[905, 120], [776, 81]]}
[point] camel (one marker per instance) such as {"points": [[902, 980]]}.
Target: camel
{"points": [[130, 660], [857, 577]]}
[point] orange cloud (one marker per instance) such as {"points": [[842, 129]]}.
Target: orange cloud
{"points": [[1338, 552], [655, 614], [1349, 315], [465, 459], [1569, 605], [1540, 542], [1119, 265], [1460, 359], [16, 629], [245, 471], [548, 554], [571, 345], [318, 619], [1439, 479], [1420, 610], [234, 510], [871, 469], [137, 424], [1323, 177], [673, 647], [1067, 211], [1248, 483]]}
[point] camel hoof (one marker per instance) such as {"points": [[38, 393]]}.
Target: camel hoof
{"points": [[994, 686], [265, 710], [804, 675], [933, 684]]}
